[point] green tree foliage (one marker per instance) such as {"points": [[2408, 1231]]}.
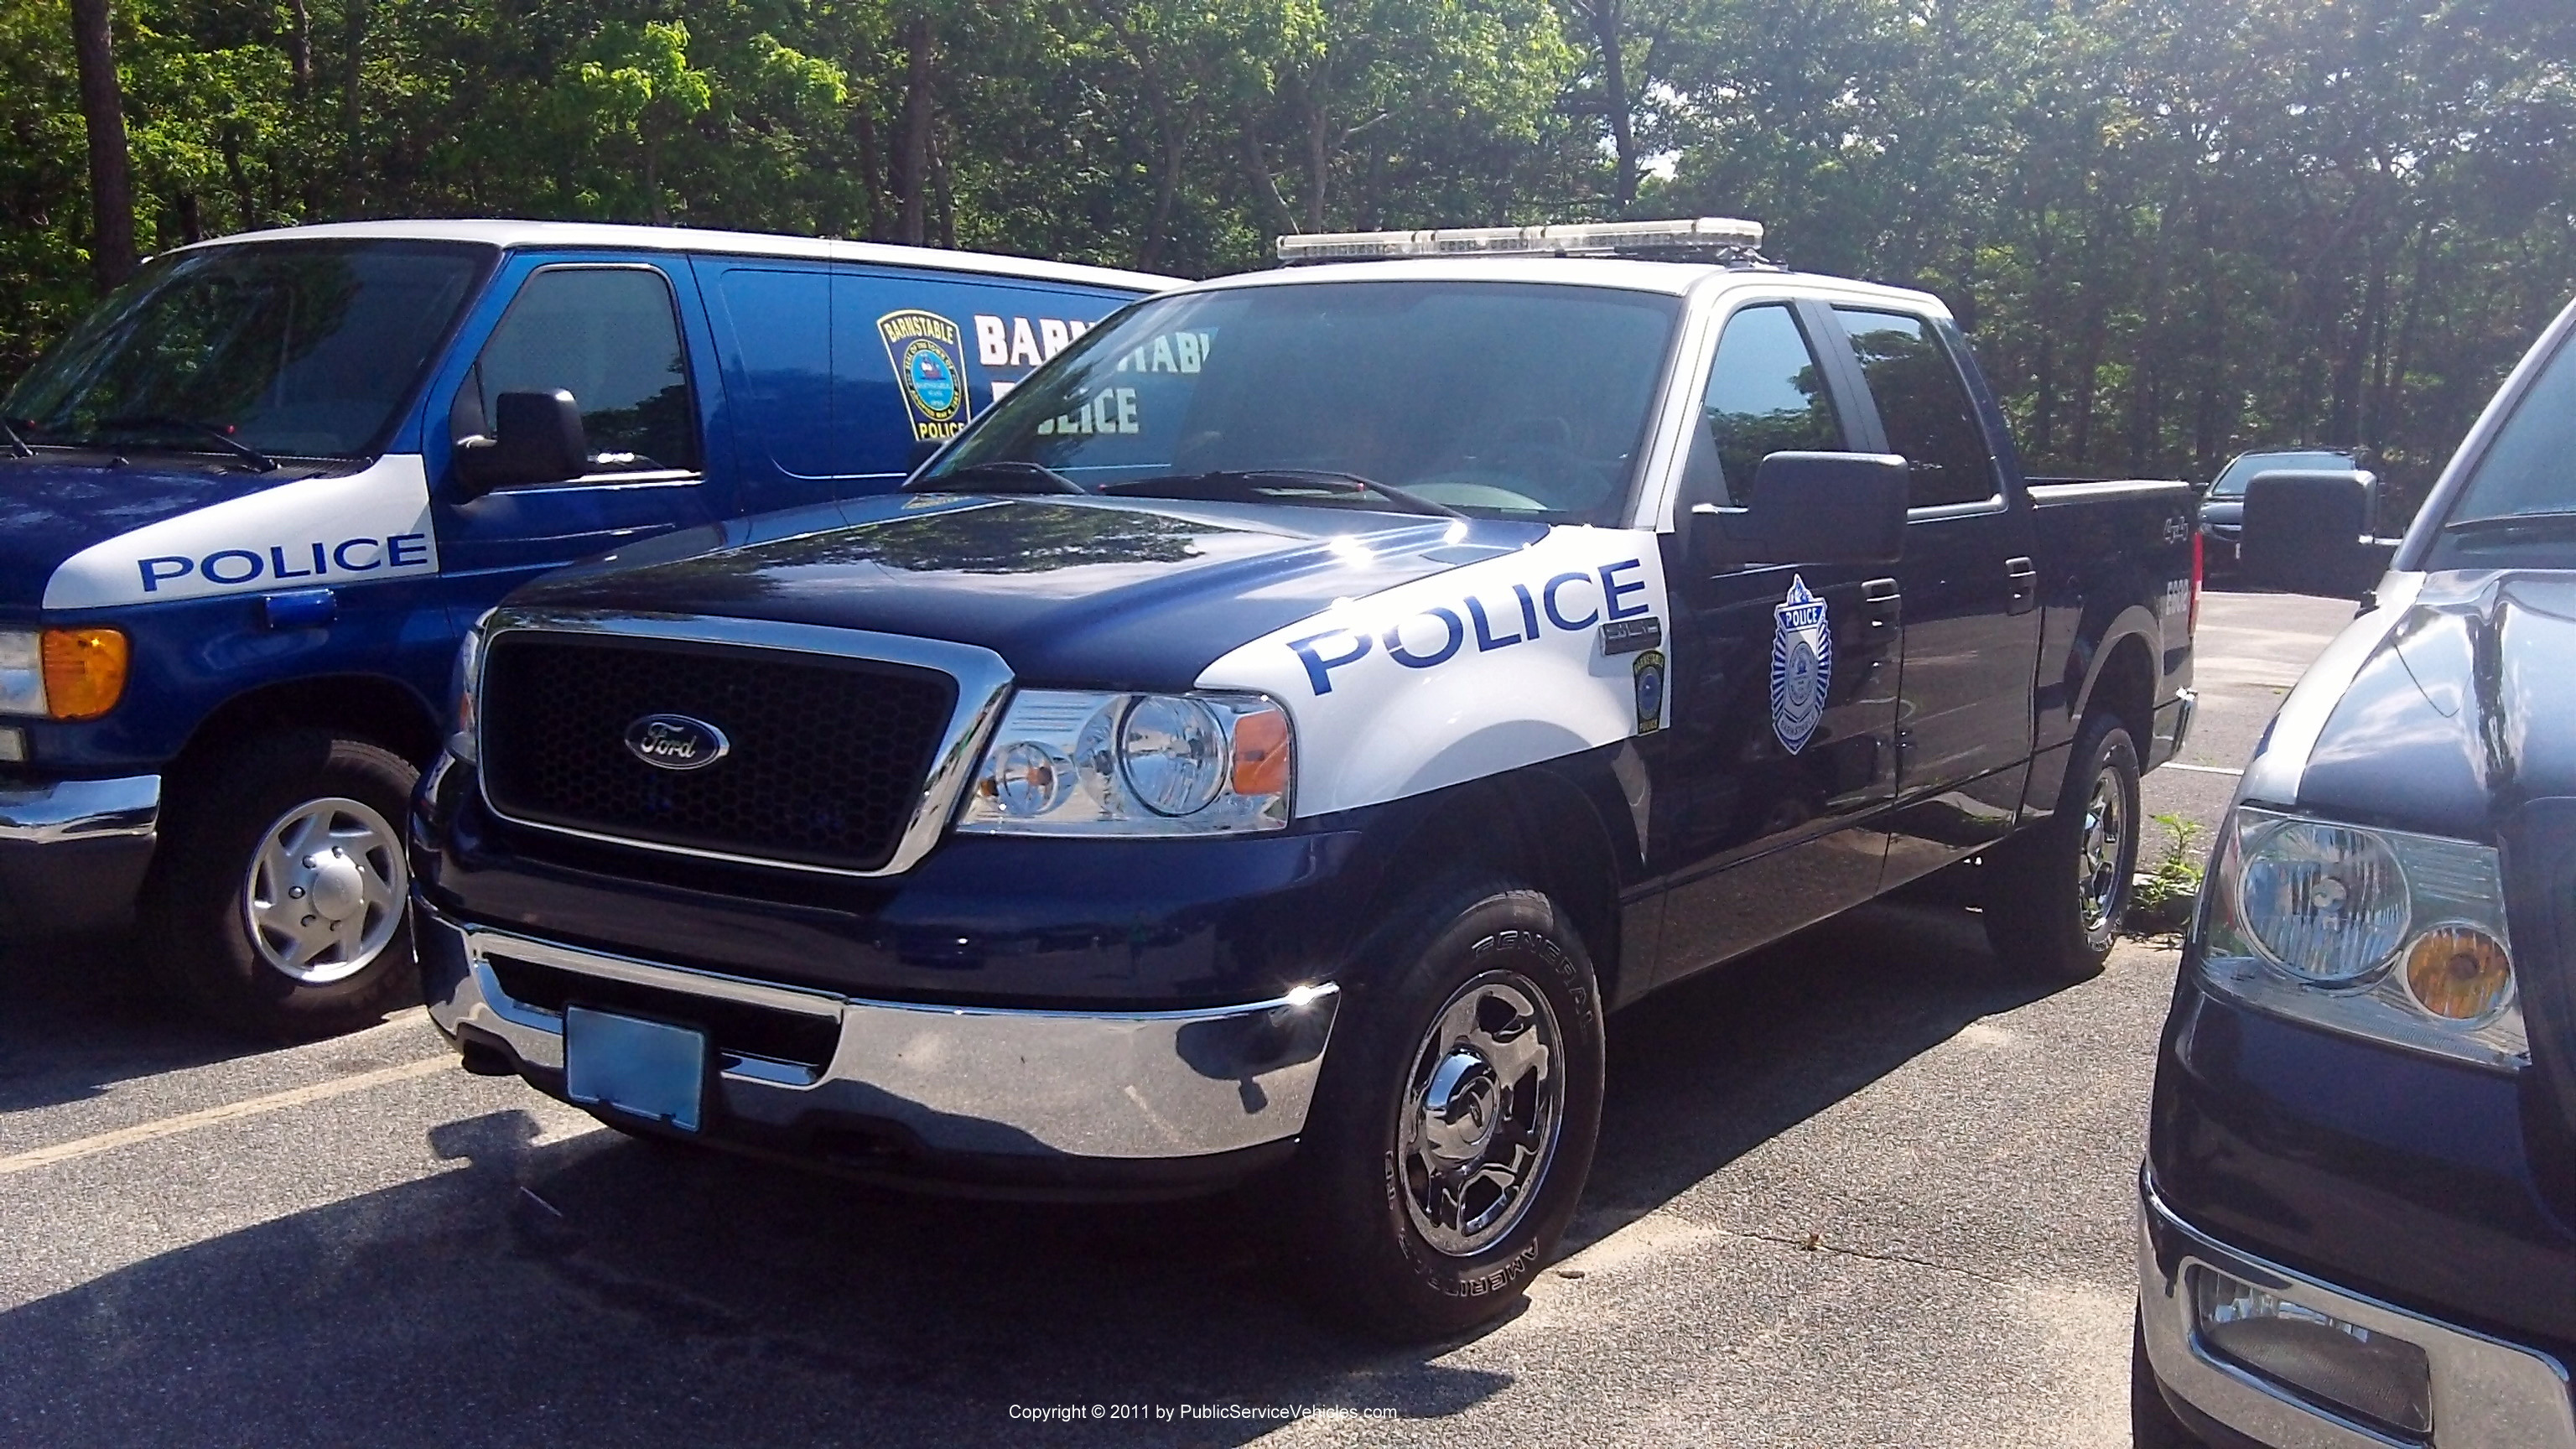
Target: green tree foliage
{"points": [[2177, 227]]}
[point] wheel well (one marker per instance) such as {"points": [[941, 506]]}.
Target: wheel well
{"points": [[361, 707], [2126, 687], [1553, 841]]}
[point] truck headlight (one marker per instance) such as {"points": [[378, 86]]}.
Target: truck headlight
{"points": [[1067, 762], [463, 680], [2377, 933], [67, 674]]}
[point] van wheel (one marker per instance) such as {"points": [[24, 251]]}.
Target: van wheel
{"points": [[1453, 1128], [2055, 895], [278, 898]]}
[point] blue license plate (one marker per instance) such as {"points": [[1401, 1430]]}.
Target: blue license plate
{"points": [[648, 1069]]}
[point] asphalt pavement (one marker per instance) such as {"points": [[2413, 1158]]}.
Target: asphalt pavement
{"points": [[1862, 1189]]}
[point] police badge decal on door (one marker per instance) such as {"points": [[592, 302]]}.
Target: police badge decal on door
{"points": [[1802, 666]]}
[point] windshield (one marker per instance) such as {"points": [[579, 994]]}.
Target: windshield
{"points": [[1501, 399], [305, 349], [2527, 472], [2231, 484]]}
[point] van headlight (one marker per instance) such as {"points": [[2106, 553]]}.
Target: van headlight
{"points": [[2377, 933], [1066, 762], [65, 674]]}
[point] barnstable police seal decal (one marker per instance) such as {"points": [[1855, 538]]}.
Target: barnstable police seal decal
{"points": [[1802, 666], [1649, 672], [929, 356]]}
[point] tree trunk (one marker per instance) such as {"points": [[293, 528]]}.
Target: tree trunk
{"points": [[111, 172], [1605, 16], [914, 157], [654, 214], [1319, 159], [353, 114], [872, 177], [1256, 173], [299, 47]]}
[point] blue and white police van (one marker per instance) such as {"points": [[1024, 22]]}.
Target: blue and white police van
{"points": [[248, 507], [1269, 742]]}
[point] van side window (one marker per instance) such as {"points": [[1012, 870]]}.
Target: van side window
{"points": [[610, 337], [1923, 405], [1766, 395]]}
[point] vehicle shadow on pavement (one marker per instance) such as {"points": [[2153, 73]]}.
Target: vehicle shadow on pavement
{"points": [[78, 1015], [600, 1290]]}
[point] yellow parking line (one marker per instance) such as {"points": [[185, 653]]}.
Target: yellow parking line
{"points": [[209, 1116]]}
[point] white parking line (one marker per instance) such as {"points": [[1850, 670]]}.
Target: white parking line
{"points": [[2202, 769], [209, 1116]]}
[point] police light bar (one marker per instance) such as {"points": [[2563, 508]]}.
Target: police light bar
{"points": [[1576, 239]]}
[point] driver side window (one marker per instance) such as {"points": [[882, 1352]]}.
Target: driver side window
{"points": [[1766, 394], [609, 336]]}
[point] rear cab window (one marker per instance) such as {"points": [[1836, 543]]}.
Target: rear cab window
{"points": [[1923, 406]]}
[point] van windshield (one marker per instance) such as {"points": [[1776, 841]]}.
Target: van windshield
{"points": [[1492, 398], [303, 349]]}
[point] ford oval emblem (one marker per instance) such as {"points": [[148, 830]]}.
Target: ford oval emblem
{"points": [[676, 742]]}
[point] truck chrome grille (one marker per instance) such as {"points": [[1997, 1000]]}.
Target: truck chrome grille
{"points": [[824, 758]]}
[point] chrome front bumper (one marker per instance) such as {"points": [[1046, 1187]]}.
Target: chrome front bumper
{"points": [[2487, 1394], [55, 811], [1101, 1086]]}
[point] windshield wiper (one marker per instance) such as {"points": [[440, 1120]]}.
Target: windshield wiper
{"points": [[17, 445], [997, 477], [1240, 485], [260, 462], [2557, 520]]}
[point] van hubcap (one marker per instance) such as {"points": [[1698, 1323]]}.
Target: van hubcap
{"points": [[324, 893], [1480, 1114]]}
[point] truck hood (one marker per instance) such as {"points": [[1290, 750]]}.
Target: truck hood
{"points": [[2465, 708], [1087, 592], [52, 507]]}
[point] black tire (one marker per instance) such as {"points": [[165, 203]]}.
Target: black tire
{"points": [[197, 912], [2050, 914], [2152, 1422], [1365, 1258]]}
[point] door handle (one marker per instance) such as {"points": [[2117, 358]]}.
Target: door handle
{"points": [[2023, 578], [1880, 601]]}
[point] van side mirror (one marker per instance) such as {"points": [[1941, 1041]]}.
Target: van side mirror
{"points": [[2308, 533], [1810, 508], [537, 437]]}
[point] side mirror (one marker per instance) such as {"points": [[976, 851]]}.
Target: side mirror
{"points": [[2308, 533], [537, 437], [1811, 508]]}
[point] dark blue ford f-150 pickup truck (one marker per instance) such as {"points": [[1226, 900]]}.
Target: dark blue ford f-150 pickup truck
{"points": [[1271, 740], [2358, 1207]]}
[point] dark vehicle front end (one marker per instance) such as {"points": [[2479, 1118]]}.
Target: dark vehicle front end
{"points": [[2358, 1209]]}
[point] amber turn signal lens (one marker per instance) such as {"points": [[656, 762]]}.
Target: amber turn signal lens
{"points": [[2459, 973], [1261, 753], [84, 671]]}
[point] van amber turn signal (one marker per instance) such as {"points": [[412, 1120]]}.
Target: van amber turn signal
{"points": [[84, 671]]}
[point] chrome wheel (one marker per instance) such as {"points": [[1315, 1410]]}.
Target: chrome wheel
{"points": [[1478, 1123], [324, 894], [2101, 880]]}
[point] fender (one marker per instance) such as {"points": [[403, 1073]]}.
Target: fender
{"points": [[2091, 651], [1530, 655]]}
